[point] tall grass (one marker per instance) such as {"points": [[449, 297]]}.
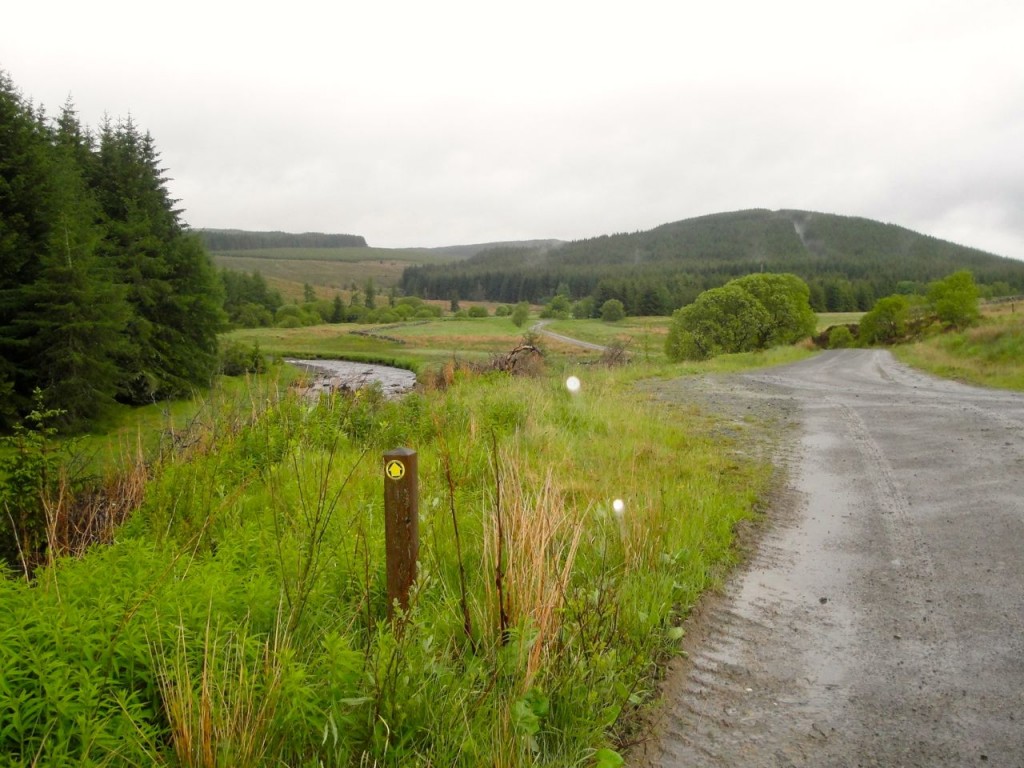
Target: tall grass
{"points": [[240, 617], [991, 354]]}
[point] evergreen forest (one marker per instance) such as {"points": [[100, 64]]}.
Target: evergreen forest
{"points": [[105, 296], [847, 262], [244, 240]]}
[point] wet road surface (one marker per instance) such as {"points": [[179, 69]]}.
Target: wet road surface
{"points": [[880, 621]]}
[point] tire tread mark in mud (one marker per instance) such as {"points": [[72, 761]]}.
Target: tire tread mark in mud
{"points": [[909, 550], [703, 723]]}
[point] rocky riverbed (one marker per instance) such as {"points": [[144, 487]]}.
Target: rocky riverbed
{"points": [[346, 376]]}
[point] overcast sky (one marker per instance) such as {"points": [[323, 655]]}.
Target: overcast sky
{"points": [[452, 121]]}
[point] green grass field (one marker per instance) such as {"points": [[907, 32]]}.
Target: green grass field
{"points": [[643, 336], [828, 319], [326, 277], [414, 343]]}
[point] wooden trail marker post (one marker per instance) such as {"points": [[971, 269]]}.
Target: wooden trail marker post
{"points": [[401, 524]]}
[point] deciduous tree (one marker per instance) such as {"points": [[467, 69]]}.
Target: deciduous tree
{"points": [[721, 320], [787, 299], [887, 321], [612, 311], [954, 300]]}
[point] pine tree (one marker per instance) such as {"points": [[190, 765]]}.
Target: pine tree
{"points": [[62, 314], [338, 309], [102, 290], [171, 341], [26, 216], [75, 314]]}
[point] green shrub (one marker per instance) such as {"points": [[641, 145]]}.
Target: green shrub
{"points": [[612, 311], [236, 359], [294, 316], [887, 322], [954, 300], [30, 472], [520, 314], [840, 337], [749, 313]]}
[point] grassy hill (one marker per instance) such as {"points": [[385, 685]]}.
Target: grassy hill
{"points": [[331, 263], [847, 261], [328, 270]]}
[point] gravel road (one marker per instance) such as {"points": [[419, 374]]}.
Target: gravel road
{"points": [[540, 328], [880, 620]]}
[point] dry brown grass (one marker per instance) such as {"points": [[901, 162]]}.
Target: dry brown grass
{"points": [[221, 706], [986, 334], [76, 520], [531, 541]]}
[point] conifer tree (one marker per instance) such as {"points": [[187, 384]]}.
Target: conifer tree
{"points": [[103, 292], [75, 313], [171, 342], [25, 220]]}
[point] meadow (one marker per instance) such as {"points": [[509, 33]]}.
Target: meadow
{"points": [[639, 336], [418, 343], [238, 616], [328, 270], [328, 277], [827, 319], [406, 345]]}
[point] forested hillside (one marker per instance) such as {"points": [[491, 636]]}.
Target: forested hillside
{"points": [[104, 295], [243, 240], [847, 262]]}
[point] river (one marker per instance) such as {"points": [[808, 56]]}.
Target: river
{"points": [[347, 376]]}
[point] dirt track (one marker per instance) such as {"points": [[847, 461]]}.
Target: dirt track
{"points": [[880, 621]]}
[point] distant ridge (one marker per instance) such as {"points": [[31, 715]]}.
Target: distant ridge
{"points": [[847, 261], [243, 240]]}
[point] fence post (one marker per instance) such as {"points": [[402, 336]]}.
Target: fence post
{"points": [[401, 523]]}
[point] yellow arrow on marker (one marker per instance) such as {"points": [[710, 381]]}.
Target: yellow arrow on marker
{"points": [[395, 470]]}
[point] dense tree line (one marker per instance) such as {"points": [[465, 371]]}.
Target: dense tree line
{"points": [[846, 262], [242, 240], [104, 294]]}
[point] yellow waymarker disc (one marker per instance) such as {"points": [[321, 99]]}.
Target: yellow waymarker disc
{"points": [[395, 470]]}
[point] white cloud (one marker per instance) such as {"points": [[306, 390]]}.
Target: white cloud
{"points": [[434, 123]]}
